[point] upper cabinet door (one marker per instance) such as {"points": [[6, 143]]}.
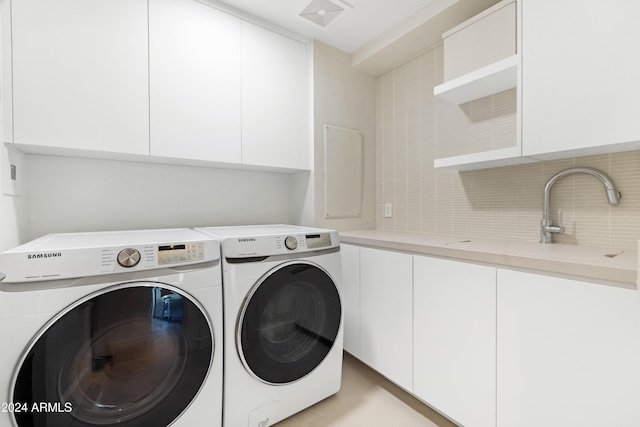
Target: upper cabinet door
{"points": [[80, 74], [194, 55], [274, 99], [580, 75]]}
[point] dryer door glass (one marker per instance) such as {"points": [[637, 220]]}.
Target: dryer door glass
{"points": [[289, 322], [131, 356]]}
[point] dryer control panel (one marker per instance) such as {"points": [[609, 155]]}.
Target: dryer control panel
{"points": [[281, 244]]}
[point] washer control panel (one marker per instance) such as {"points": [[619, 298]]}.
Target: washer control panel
{"points": [[320, 240], [172, 254], [76, 255], [152, 256]]}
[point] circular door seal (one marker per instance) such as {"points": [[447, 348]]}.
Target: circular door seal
{"points": [[117, 357], [288, 322]]}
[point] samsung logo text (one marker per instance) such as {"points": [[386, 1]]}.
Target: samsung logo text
{"points": [[45, 255]]}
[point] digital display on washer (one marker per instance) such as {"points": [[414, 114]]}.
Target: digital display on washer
{"points": [[320, 240], [177, 253], [171, 247]]}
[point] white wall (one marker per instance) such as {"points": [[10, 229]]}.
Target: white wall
{"points": [[76, 194], [344, 97]]}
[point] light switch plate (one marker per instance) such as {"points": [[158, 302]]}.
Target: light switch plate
{"points": [[388, 210], [13, 165]]}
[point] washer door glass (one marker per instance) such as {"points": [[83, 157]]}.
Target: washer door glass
{"points": [[289, 322], [131, 356]]}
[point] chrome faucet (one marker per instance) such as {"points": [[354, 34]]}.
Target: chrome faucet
{"points": [[546, 227]]}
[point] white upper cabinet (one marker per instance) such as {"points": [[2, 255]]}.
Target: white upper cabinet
{"points": [[274, 99], [480, 55], [80, 74], [580, 76], [194, 57], [168, 79], [577, 79], [482, 58]]}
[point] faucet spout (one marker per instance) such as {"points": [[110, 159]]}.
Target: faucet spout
{"points": [[546, 227]]}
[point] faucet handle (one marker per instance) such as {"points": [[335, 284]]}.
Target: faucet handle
{"points": [[557, 229]]}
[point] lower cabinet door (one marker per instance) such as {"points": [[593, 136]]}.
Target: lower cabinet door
{"points": [[386, 329], [568, 353], [350, 293], [455, 339]]}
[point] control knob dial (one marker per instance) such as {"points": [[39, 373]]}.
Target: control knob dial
{"points": [[291, 242], [129, 257]]}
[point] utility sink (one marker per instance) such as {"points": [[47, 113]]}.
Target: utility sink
{"points": [[458, 241], [614, 254]]}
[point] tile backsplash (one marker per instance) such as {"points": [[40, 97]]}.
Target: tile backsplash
{"points": [[414, 128]]}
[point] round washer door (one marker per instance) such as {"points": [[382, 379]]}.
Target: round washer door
{"points": [[289, 322], [130, 355]]}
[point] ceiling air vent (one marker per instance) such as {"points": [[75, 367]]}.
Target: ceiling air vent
{"points": [[324, 12]]}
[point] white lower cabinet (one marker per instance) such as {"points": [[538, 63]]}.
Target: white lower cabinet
{"points": [[350, 293], [455, 339], [494, 347], [568, 353], [386, 314]]}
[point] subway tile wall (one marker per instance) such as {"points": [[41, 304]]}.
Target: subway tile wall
{"points": [[414, 128]]}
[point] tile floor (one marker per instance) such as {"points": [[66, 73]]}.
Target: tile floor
{"points": [[367, 399]]}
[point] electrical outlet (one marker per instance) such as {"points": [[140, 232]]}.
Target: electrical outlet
{"points": [[12, 171], [388, 210]]}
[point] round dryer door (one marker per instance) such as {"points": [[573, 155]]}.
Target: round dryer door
{"points": [[289, 322], [131, 355]]}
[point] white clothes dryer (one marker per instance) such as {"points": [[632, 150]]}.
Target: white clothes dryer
{"points": [[283, 320], [112, 328]]}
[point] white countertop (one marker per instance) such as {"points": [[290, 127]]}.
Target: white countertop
{"points": [[582, 262]]}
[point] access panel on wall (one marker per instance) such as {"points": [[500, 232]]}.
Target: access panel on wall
{"points": [[342, 172]]}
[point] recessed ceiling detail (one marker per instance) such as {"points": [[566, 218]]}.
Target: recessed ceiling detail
{"points": [[361, 22], [324, 12]]}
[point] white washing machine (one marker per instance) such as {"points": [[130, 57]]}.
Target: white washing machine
{"points": [[283, 320], [112, 328]]}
